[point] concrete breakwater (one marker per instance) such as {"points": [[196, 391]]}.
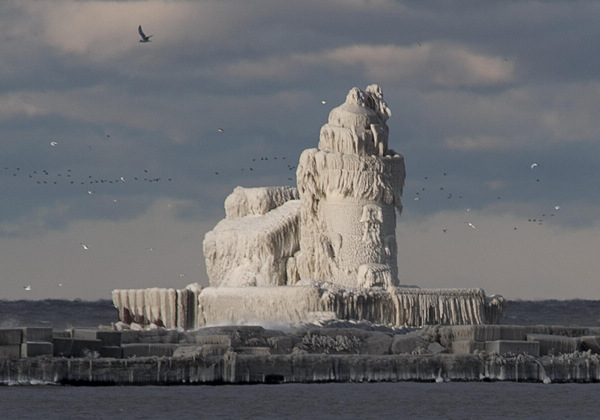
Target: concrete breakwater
{"points": [[252, 354], [298, 368]]}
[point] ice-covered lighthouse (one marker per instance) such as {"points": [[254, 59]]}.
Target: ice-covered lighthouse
{"points": [[324, 249], [350, 188]]}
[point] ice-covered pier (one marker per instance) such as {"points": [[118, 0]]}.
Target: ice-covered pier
{"points": [[351, 352]]}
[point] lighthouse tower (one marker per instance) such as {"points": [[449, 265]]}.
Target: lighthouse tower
{"points": [[350, 188]]}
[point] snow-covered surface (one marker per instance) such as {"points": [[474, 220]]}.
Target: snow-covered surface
{"points": [[259, 305], [358, 126], [245, 201], [253, 250]]}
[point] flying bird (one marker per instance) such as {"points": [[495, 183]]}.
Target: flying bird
{"points": [[143, 35]]}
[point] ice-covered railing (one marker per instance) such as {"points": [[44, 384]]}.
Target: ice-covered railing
{"points": [[169, 308], [309, 300], [413, 306]]}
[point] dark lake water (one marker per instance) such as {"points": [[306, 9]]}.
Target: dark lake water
{"points": [[460, 400]]}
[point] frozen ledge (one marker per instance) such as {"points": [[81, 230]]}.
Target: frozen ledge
{"points": [[394, 306], [304, 303]]}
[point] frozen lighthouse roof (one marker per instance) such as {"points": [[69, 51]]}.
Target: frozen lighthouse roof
{"points": [[358, 126]]}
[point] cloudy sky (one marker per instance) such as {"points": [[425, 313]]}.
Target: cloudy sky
{"points": [[113, 166]]}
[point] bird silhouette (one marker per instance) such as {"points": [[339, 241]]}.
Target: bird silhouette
{"points": [[143, 35]]}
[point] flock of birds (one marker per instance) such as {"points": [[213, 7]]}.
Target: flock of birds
{"points": [[429, 188], [44, 177], [70, 177], [424, 193], [264, 162]]}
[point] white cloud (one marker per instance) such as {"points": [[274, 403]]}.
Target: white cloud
{"points": [[100, 30], [108, 105], [17, 104], [482, 142], [525, 116], [438, 64], [435, 64], [93, 104]]}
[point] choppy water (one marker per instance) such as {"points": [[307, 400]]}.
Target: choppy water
{"points": [[58, 314], [314, 401]]}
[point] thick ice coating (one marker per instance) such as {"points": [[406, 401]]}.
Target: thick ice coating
{"points": [[358, 125], [343, 229], [252, 250], [245, 201], [168, 308], [350, 188], [286, 255]]}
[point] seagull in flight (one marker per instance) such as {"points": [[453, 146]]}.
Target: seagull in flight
{"points": [[143, 35]]}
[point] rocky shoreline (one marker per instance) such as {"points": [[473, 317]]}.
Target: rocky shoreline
{"points": [[343, 352]]}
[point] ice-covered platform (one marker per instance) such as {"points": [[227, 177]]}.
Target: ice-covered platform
{"points": [[335, 351], [306, 302]]}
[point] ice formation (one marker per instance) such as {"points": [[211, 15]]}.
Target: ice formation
{"points": [[309, 301], [167, 308], [350, 188], [258, 201], [288, 255], [343, 228], [252, 249]]}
